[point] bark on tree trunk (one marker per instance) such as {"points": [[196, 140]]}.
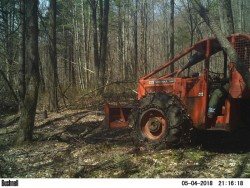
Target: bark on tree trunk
{"points": [[144, 37], [100, 50], [226, 16], [172, 34], [136, 41], [120, 37], [103, 42], [28, 105], [52, 64], [21, 73], [95, 42]]}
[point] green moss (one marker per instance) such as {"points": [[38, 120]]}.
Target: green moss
{"points": [[194, 155]]}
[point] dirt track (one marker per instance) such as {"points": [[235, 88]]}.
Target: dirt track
{"points": [[72, 144]]}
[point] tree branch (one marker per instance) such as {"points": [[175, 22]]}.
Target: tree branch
{"points": [[9, 85], [225, 44]]}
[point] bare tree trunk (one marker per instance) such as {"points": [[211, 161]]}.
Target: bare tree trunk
{"points": [[120, 38], [226, 16], [212, 24], [141, 39], [93, 4], [189, 9], [71, 60], [83, 61], [66, 56], [52, 64], [100, 50], [87, 48], [21, 73], [165, 33], [28, 105], [144, 37], [172, 34], [240, 9], [103, 41], [145, 7], [136, 41]]}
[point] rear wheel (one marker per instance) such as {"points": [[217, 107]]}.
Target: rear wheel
{"points": [[159, 119]]}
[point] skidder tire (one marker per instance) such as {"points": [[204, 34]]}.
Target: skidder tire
{"points": [[160, 119]]}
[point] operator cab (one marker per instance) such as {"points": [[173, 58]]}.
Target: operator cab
{"points": [[226, 92]]}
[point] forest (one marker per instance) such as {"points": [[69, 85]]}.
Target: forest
{"points": [[62, 61]]}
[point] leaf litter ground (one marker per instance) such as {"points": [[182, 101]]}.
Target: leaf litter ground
{"points": [[73, 144]]}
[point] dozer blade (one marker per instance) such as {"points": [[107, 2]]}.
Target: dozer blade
{"points": [[116, 116]]}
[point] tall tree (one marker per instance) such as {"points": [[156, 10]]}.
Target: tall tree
{"points": [[21, 60], [226, 16], [120, 36], [228, 48], [144, 31], [172, 33], [135, 38], [165, 33], [52, 64], [29, 102], [104, 16], [93, 5], [100, 48]]}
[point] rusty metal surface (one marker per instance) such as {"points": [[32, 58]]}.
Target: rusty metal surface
{"points": [[116, 116]]}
